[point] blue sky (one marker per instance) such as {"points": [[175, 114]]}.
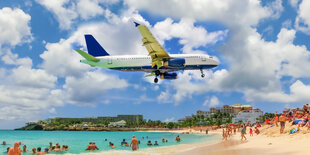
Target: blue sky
{"points": [[263, 48]]}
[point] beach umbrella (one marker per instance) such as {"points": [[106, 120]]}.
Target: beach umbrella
{"points": [[232, 124]]}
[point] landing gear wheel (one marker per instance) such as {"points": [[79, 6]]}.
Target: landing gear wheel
{"points": [[155, 80], [202, 75], [157, 72]]}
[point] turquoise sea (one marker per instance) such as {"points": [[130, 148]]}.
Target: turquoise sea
{"points": [[78, 140]]}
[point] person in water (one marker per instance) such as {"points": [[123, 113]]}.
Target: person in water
{"points": [[46, 151], [134, 143], [149, 143], [15, 150], [24, 148], [123, 142], [3, 143], [163, 140], [34, 150], [126, 144], [155, 144], [39, 151], [112, 145], [178, 138]]}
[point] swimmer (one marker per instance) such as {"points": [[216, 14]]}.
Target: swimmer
{"points": [[149, 143], [178, 138], [24, 148], [15, 150], [123, 142], [134, 143], [163, 140], [46, 151], [156, 144], [3, 143], [126, 144], [39, 151]]}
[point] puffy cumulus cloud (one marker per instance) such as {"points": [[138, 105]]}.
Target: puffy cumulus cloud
{"points": [[12, 59], [226, 11], [88, 89], [60, 59], [211, 102], [256, 66], [26, 93], [298, 93], [190, 82], [190, 36], [14, 25], [302, 21], [66, 11]]}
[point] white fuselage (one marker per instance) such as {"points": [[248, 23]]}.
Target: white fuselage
{"points": [[136, 63]]}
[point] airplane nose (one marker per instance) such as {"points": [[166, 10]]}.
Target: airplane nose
{"points": [[216, 62]]}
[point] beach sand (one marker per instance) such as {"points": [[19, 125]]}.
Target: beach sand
{"points": [[270, 141]]}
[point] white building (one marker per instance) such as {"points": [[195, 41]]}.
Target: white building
{"points": [[121, 123], [251, 116]]}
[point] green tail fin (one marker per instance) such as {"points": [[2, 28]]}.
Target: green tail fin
{"points": [[87, 56]]}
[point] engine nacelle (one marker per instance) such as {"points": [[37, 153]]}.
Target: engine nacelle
{"points": [[169, 76], [177, 62]]}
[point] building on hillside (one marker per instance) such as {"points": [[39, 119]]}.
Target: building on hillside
{"points": [[183, 119], [251, 116], [233, 110], [236, 108], [135, 119], [121, 123]]}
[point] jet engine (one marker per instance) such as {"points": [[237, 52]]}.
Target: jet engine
{"points": [[169, 76]]}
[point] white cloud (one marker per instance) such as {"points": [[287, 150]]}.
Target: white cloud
{"points": [[294, 3], [67, 11], [88, 89], [276, 8], [164, 97], [211, 102], [14, 26], [256, 65], [190, 36], [302, 21], [171, 119]]}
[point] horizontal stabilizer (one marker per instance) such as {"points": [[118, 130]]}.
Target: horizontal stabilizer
{"points": [[87, 56]]}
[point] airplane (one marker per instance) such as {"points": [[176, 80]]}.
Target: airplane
{"points": [[157, 63]]}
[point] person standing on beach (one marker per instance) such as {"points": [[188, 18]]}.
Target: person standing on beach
{"points": [[276, 119], [15, 150], [251, 132], [243, 133], [134, 143], [282, 120]]}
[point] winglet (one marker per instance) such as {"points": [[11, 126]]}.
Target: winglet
{"points": [[136, 24], [87, 56]]}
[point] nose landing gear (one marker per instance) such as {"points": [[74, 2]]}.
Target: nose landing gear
{"points": [[202, 74]]}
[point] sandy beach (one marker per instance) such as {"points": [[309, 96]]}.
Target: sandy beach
{"points": [[269, 141]]}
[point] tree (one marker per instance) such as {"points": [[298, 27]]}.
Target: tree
{"points": [[170, 125]]}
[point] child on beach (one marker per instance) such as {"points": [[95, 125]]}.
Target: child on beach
{"points": [[251, 132], [256, 131]]}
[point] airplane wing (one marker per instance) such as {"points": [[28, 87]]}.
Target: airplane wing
{"points": [[156, 51]]}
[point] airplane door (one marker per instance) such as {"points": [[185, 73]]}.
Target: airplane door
{"points": [[109, 61]]}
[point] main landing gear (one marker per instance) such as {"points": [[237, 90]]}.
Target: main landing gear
{"points": [[202, 74], [156, 80], [157, 73]]}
